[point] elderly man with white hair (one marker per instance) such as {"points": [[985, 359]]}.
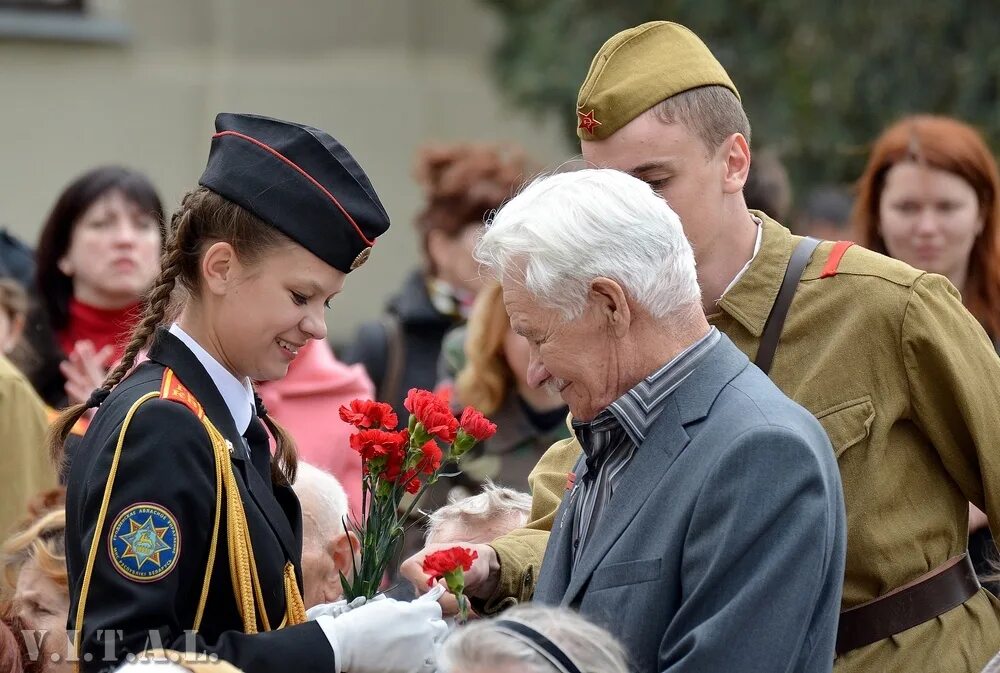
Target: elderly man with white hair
{"points": [[704, 524], [327, 548]]}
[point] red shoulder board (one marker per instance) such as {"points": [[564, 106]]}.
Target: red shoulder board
{"points": [[833, 261], [173, 390]]}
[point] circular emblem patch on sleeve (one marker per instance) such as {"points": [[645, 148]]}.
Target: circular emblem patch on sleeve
{"points": [[144, 542]]}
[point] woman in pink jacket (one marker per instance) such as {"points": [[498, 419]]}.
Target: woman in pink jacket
{"points": [[306, 402]]}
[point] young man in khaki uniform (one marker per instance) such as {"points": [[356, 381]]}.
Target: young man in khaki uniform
{"points": [[25, 467], [900, 375]]}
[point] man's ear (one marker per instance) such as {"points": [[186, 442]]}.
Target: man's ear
{"points": [[736, 163], [344, 550], [219, 265], [610, 301]]}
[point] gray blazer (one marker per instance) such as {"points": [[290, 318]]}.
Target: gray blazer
{"points": [[722, 548]]}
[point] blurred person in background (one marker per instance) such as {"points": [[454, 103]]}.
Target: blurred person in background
{"points": [[492, 365], [315, 387], [13, 313], [462, 184], [24, 463], [479, 518], [15, 657], [930, 196], [327, 548], [98, 253], [826, 215], [34, 569], [532, 639], [768, 188], [17, 259]]}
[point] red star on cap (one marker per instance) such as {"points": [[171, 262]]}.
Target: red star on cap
{"points": [[587, 121]]}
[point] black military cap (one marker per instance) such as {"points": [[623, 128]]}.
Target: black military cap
{"points": [[301, 181]]}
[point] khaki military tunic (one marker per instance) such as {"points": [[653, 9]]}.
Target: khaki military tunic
{"points": [[907, 385], [25, 467]]}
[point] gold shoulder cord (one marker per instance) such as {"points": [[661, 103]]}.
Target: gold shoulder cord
{"points": [[242, 565]]}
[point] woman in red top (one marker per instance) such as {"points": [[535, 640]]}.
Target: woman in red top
{"points": [[98, 253]]}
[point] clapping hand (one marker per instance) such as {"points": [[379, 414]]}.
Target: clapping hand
{"points": [[84, 370]]}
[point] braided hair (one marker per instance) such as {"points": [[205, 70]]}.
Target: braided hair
{"points": [[203, 218]]}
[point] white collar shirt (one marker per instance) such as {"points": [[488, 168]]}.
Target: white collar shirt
{"points": [[238, 395], [756, 249]]}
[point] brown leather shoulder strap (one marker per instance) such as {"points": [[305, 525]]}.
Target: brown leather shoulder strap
{"points": [[779, 311]]}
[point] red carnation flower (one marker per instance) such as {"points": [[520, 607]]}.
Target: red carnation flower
{"points": [[476, 425], [433, 413], [430, 459], [366, 414], [448, 561], [372, 444]]}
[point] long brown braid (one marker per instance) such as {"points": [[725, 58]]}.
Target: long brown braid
{"points": [[203, 218]]}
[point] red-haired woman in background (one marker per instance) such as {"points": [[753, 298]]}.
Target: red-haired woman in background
{"points": [[930, 196]]}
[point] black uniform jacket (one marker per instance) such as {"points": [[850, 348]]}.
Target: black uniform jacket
{"points": [[153, 549]]}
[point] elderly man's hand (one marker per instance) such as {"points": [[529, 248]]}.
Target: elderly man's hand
{"points": [[480, 580]]}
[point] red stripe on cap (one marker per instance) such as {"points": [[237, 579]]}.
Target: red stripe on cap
{"points": [[833, 261], [304, 174]]}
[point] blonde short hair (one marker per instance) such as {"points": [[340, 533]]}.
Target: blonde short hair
{"points": [[40, 539], [486, 378]]}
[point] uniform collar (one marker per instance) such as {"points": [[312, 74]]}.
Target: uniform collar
{"points": [[756, 248], [238, 395], [750, 298]]}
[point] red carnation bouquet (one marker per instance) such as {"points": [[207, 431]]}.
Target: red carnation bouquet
{"points": [[395, 462], [451, 565]]}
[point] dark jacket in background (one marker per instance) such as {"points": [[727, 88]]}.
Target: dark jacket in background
{"points": [[416, 328]]}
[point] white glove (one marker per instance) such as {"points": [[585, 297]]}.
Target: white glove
{"points": [[387, 636], [338, 608]]}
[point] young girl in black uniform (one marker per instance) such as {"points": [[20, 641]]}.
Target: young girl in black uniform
{"points": [[182, 530]]}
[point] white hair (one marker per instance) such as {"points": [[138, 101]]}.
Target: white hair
{"points": [[480, 645], [562, 231], [483, 510], [324, 504]]}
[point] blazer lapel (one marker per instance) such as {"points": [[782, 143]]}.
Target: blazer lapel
{"points": [[650, 464], [668, 436], [262, 494]]}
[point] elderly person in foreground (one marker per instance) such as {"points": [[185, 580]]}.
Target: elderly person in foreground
{"points": [[532, 639], [704, 524]]}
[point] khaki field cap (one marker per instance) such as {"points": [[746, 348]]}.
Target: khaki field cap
{"points": [[638, 68]]}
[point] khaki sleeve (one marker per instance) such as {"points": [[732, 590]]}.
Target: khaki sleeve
{"points": [[24, 461], [954, 378], [520, 552]]}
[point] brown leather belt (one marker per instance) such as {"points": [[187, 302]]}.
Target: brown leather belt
{"points": [[934, 593]]}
